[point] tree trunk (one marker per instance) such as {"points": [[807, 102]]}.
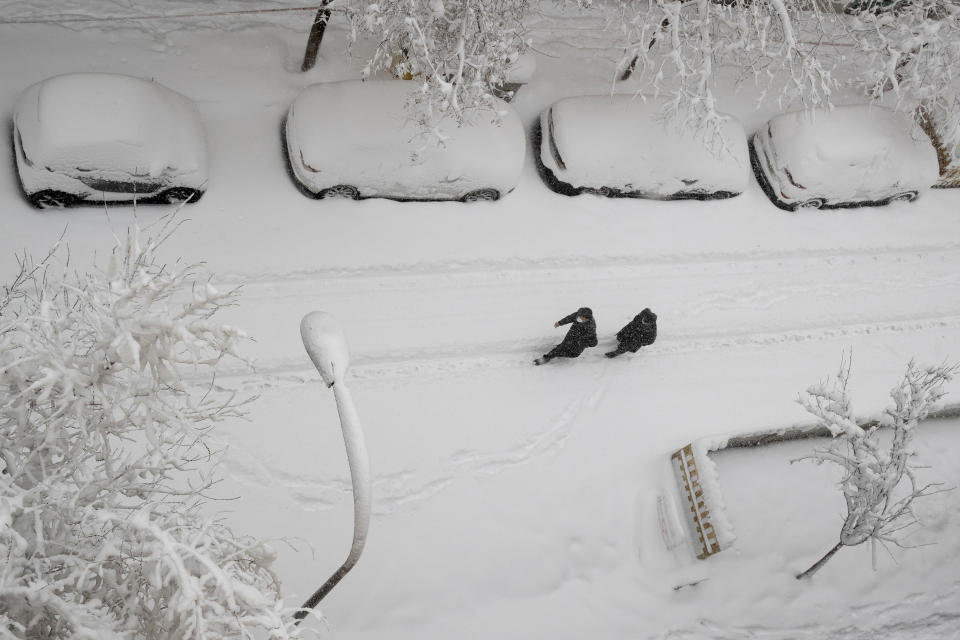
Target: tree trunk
{"points": [[819, 563], [316, 36]]}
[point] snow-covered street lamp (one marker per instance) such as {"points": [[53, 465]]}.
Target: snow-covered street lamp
{"points": [[325, 344]]}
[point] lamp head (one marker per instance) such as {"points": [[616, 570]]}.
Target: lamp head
{"points": [[326, 345]]}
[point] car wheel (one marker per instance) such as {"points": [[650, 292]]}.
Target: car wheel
{"points": [[339, 191], [481, 195], [906, 196], [180, 195], [812, 203], [52, 199]]}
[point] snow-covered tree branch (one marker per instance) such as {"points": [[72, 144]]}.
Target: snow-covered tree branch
{"points": [[910, 49], [675, 46], [797, 52], [105, 458], [459, 50], [875, 460]]}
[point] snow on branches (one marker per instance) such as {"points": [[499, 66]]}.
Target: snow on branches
{"points": [[676, 46], [105, 458], [875, 460], [459, 51], [798, 53], [911, 48]]}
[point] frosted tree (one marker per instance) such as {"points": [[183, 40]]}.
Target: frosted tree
{"points": [[106, 459], [459, 51], [911, 51], [875, 460], [797, 52], [676, 45], [904, 53]]}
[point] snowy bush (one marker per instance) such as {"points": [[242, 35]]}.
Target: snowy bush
{"points": [[874, 467], [105, 458]]}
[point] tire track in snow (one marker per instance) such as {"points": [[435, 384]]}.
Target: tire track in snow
{"points": [[424, 321], [573, 268], [421, 363], [897, 622]]}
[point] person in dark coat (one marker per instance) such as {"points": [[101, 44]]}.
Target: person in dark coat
{"points": [[581, 335], [639, 332]]}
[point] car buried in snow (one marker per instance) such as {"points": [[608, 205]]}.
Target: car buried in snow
{"points": [[355, 139], [102, 137], [623, 146], [850, 156]]}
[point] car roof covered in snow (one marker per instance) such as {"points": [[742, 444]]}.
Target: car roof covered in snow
{"points": [[874, 146], [624, 138], [109, 122], [366, 133]]}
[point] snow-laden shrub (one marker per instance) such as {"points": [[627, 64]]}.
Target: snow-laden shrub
{"points": [[875, 464], [105, 458]]}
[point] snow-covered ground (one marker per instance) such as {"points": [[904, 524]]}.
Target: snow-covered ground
{"points": [[513, 501]]}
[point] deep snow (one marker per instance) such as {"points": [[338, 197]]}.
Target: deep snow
{"points": [[513, 501]]}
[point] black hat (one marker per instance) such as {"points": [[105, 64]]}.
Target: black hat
{"points": [[586, 312], [648, 315]]}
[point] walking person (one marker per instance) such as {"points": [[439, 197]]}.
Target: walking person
{"points": [[582, 334], [639, 332]]}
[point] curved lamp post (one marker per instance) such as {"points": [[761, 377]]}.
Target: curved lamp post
{"points": [[324, 341]]}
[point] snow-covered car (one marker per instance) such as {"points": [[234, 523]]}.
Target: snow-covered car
{"points": [[355, 139], [621, 146], [850, 156], [107, 137]]}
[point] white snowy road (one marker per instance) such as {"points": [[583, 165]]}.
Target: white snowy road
{"points": [[495, 316]]}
